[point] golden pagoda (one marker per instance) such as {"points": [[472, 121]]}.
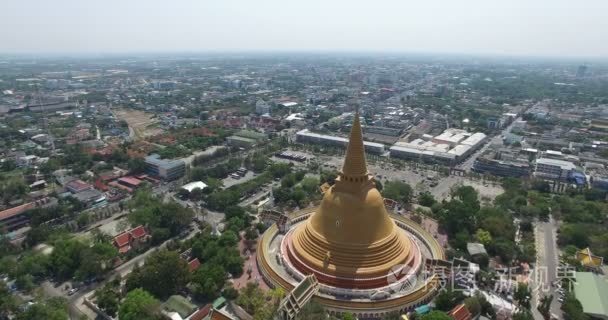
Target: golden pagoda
{"points": [[350, 241]]}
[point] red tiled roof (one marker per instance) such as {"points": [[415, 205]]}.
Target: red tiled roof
{"points": [[460, 312], [122, 239], [11, 212], [120, 186], [201, 313], [194, 264], [138, 232], [219, 315], [130, 180], [100, 185], [124, 249]]}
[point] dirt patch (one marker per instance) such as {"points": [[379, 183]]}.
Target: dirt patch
{"points": [[141, 124]]}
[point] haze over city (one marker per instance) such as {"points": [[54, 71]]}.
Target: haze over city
{"points": [[556, 28]]}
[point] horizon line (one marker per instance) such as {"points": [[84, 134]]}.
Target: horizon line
{"points": [[355, 52]]}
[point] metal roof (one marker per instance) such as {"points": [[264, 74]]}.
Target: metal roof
{"points": [[592, 291]]}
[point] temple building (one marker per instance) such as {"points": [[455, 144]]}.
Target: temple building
{"points": [[367, 260]]}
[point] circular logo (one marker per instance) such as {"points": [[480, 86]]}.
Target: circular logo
{"points": [[402, 274]]}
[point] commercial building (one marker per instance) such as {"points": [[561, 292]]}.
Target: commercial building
{"points": [[503, 163], [164, 169], [553, 169], [305, 136], [502, 168], [451, 147], [384, 131]]}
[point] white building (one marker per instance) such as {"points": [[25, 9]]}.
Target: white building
{"points": [[306, 136], [194, 185], [451, 146]]}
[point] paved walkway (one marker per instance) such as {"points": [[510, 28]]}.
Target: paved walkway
{"points": [[249, 254]]}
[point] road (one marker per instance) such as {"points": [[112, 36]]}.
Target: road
{"points": [[497, 139], [547, 262]]}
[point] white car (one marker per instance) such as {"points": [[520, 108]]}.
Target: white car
{"points": [[72, 291]]}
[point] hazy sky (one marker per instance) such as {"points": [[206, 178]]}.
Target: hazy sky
{"points": [[510, 27]]}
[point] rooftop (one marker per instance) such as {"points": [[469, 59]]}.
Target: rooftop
{"points": [[180, 305], [155, 159], [592, 291], [564, 165], [194, 185]]}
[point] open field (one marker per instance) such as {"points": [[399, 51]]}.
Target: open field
{"points": [[141, 124]]}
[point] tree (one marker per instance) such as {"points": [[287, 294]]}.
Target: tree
{"points": [[183, 193], [163, 275], [230, 293], [310, 185], [446, 300], [436, 315], [51, 309], [251, 298], [483, 236], [523, 315], [139, 304], [473, 305], [398, 191], [108, 299], [137, 165], [208, 280], [229, 238], [312, 311], [25, 282], [348, 316], [572, 308], [83, 219], [426, 199], [251, 234], [7, 301], [523, 296], [544, 307], [196, 194]]}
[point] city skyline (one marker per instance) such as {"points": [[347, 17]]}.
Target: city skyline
{"points": [[517, 28]]}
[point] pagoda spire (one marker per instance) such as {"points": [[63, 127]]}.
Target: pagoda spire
{"points": [[354, 162]]}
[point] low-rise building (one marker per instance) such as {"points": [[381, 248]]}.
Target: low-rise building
{"points": [[305, 136], [194, 185], [16, 217], [553, 169], [133, 238], [503, 163], [591, 290], [242, 142], [165, 169], [450, 147]]}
